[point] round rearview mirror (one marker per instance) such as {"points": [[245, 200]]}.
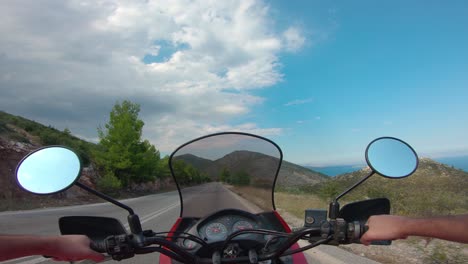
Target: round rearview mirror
{"points": [[48, 170], [391, 157]]}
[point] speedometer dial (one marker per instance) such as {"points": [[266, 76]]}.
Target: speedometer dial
{"points": [[242, 225], [216, 231], [189, 244]]}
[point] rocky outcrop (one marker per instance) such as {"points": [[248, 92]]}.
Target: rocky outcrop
{"points": [[11, 153]]}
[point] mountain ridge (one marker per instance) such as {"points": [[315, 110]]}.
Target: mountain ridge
{"points": [[254, 163]]}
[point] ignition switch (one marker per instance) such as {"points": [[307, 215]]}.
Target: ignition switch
{"points": [[232, 250]]}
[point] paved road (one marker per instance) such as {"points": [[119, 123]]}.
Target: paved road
{"points": [[157, 212]]}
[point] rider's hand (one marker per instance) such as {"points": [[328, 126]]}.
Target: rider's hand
{"points": [[73, 248], [384, 227]]}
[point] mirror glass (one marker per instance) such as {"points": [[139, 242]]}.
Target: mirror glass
{"points": [[391, 157], [48, 170]]}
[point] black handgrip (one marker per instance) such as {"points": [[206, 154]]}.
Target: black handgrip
{"points": [[98, 246], [377, 242], [381, 243]]}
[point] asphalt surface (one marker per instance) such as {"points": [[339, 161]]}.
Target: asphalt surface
{"points": [[157, 212]]}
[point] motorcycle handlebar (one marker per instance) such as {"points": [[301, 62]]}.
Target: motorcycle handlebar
{"points": [[120, 247], [98, 246]]}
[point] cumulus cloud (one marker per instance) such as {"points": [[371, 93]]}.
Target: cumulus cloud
{"points": [[66, 63]]}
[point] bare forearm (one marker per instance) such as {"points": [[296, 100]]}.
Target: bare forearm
{"points": [[67, 247], [453, 228], [391, 227], [12, 246]]}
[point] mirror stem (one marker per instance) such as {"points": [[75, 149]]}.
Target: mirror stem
{"points": [[105, 197], [352, 187], [333, 210]]}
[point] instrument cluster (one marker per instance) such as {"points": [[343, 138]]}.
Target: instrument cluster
{"points": [[221, 227]]}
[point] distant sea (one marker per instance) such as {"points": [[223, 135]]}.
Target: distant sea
{"points": [[336, 170], [457, 162]]}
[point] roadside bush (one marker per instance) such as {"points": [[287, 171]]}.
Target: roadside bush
{"points": [[109, 183], [330, 190]]}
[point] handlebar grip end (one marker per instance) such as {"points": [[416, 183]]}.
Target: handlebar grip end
{"points": [[98, 246]]}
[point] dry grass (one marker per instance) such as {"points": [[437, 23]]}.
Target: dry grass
{"points": [[297, 203], [258, 196], [413, 250], [292, 203]]}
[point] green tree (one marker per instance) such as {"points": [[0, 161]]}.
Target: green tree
{"points": [[122, 153], [179, 167], [241, 178], [225, 175], [109, 183], [187, 174], [163, 167], [67, 131]]}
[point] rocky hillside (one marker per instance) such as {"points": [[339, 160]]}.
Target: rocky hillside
{"points": [[259, 166], [294, 175], [13, 197], [11, 152], [433, 189], [18, 137]]}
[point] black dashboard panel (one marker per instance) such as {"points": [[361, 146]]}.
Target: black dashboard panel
{"points": [[214, 229]]}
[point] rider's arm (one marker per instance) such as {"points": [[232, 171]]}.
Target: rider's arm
{"points": [[390, 227], [69, 247]]}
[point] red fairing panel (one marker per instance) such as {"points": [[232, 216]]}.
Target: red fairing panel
{"points": [[163, 259], [298, 258]]}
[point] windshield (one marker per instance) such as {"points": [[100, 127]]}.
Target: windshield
{"points": [[210, 170]]}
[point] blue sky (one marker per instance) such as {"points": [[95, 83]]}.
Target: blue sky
{"points": [[321, 78], [395, 69]]}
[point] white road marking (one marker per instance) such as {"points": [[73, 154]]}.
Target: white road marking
{"points": [[31, 261], [153, 215]]}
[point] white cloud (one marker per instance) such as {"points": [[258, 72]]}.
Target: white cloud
{"points": [[294, 39], [299, 102], [88, 54], [169, 134]]}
